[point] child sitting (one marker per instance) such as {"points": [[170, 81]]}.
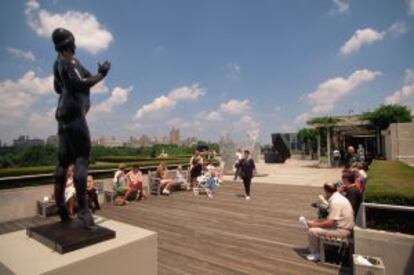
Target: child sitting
{"points": [[92, 195]]}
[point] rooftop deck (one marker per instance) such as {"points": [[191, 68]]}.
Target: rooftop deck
{"points": [[225, 235]]}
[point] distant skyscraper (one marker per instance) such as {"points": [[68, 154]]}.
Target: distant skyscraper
{"points": [[144, 141], [52, 140], [25, 141], [175, 137]]}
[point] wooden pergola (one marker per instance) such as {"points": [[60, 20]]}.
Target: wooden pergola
{"points": [[340, 127]]}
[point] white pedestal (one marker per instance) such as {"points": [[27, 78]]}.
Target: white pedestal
{"points": [[133, 251]]}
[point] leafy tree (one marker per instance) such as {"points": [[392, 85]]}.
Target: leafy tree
{"points": [[324, 121], [307, 136], [384, 115]]}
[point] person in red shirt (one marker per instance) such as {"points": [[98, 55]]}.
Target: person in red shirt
{"points": [[135, 179]]}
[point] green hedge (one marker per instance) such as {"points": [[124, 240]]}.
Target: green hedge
{"points": [[35, 170], [390, 182], [139, 159]]}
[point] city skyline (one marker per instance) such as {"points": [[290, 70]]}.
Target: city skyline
{"points": [[208, 68], [174, 138]]}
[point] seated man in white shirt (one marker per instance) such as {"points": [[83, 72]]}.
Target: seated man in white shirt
{"points": [[339, 222]]}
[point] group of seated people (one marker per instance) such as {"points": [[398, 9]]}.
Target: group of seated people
{"points": [[337, 209], [199, 176], [70, 193], [128, 185], [169, 183]]}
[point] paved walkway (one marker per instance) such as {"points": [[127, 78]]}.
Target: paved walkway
{"points": [[294, 172]]}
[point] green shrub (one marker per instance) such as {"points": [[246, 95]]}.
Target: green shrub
{"points": [[139, 159], [36, 170], [390, 182]]}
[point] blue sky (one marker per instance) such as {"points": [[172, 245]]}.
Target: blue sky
{"points": [[208, 67]]}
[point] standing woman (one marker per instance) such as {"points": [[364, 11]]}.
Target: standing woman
{"points": [[239, 156], [196, 167], [246, 167]]}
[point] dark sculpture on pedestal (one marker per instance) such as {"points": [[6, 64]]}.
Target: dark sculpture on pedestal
{"points": [[73, 82], [279, 152]]}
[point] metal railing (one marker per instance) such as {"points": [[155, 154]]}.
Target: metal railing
{"points": [[18, 180], [365, 205]]}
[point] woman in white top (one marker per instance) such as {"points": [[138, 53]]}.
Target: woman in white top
{"points": [[70, 191]]}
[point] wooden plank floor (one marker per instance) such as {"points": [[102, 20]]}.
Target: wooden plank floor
{"points": [[225, 235]]}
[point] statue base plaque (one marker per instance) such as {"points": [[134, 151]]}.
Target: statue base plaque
{"points": [[70, 236]]}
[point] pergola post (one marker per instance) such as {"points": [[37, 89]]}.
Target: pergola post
{"points": [[379, 149], [318, 139], [328, 145]]}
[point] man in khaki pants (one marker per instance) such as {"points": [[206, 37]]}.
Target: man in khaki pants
{"points": [[339, 222]]}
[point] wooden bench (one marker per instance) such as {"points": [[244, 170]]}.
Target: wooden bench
{"points": [[154, 181], [46, 208], [343, 246], [109, 196]]}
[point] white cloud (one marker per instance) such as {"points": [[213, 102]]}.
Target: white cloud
{"points": [[42, 121], [162, 103], [89, 33], [302, 118], [288, 128], [332, 90], [182, 124], [213, 116], [368, 36], [31, 6], [100, 88], [409, 76], [340, 7], [235, 107], [397, 28], [249, 125], [186, 93], [13, 104], [156, 105], [118, 97], [26, 55], [30, 83], [360, 38], [17, 96], [410, 6], [209, 116], [405, 95], [233, 71]]}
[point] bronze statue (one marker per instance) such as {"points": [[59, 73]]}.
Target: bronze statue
{"points": [[73, 82]]}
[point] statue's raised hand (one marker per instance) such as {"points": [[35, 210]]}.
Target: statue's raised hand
{"points": [[104, 68]]}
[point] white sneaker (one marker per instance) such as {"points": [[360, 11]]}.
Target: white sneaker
{"points": [[313, 257], [165, 192], [303, 221], [247, 198]]}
